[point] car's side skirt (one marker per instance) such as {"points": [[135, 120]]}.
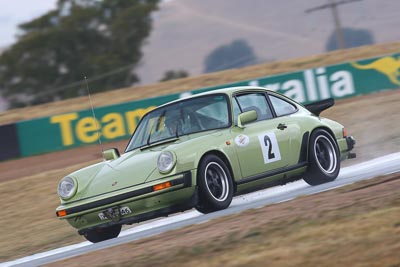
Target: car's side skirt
{"points": [[246, 182]]}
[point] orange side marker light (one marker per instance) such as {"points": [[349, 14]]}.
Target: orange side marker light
{"points": [[165, 185], [344, 132], [61, 213]]}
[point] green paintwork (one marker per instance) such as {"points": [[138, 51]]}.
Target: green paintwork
{"points": [[246, 117], [241, 147]]}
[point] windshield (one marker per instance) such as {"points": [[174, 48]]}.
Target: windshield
{"points": [[184, 117]]}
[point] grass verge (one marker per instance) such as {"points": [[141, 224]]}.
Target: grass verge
{"points": [[29, 224], [357, 225]]}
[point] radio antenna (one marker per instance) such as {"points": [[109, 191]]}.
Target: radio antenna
{"points": [[94, 116]]}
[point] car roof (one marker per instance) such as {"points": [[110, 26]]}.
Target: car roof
{"points": [[232, 90], [228, 91]]}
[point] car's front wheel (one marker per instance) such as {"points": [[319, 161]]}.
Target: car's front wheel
{"points": [[101, 234], [215, 185], [324, 158]]}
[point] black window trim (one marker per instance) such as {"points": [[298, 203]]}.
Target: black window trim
{"points": [[263, 92]]}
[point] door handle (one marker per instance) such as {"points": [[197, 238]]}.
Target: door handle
{"points": [[281, 126]]}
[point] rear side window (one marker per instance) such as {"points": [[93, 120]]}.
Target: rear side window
{"points": [[282, 107]]}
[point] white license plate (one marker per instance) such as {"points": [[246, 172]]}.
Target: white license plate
{"points": [[123, 211]]}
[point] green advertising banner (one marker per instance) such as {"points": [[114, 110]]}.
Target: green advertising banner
{"points": [[119, 121], [79, 128], [337, 81]]}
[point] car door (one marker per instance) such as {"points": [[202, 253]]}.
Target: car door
{"points": [[263, 145]]}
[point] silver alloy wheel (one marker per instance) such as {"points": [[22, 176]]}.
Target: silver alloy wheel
{"points": [[216, 181], [325, 154]]}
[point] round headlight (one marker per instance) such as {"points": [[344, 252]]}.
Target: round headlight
{"points": [[166, 161], [66, 187]]}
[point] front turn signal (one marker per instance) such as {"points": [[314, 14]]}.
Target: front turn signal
{"points": [[162, 186], [61, 213]]}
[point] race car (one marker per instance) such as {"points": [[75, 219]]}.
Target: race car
{"points": [[199, 152]]}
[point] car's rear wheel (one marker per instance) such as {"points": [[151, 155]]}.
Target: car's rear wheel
{"points": [[215, 185], [324, 158], [101, 234]]}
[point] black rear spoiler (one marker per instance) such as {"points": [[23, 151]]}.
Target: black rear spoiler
{"points": [[319, 106]]}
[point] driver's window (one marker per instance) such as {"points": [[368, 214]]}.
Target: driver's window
{"points": [[254, 101]]}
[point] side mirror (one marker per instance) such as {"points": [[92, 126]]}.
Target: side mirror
{"points": [[111, 154], [246, 117]]}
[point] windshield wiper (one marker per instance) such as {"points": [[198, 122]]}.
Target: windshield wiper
{"points": [[148, 138], [160, 142], [152, 127]]}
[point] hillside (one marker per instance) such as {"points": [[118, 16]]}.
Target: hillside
{"points": [[191, 83], [275, 30]]}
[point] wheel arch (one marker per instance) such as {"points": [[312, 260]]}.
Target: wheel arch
{"points": [[305, 152], [225, 159], [326, 128]]}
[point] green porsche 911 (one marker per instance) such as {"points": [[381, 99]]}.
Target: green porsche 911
{"points": [[200, 151]]}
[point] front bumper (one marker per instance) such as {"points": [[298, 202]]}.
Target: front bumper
{"points": [[162, 212], [145, 203]]}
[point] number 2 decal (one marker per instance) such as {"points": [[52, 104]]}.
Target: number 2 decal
{"points": [[268, 144], [269, 147]]}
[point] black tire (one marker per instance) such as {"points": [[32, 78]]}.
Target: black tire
{"points": [[324, 158], [101, 234], [215, 185]]}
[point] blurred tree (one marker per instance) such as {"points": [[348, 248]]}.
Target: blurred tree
{"points": [[352, 38], [174, 74], [100, 40], [234, 55]]}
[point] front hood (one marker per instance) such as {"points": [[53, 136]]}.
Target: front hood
{"points": [[130, 169]]}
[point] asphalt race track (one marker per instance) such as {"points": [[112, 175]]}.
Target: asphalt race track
{"points": [[366, 170]]}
